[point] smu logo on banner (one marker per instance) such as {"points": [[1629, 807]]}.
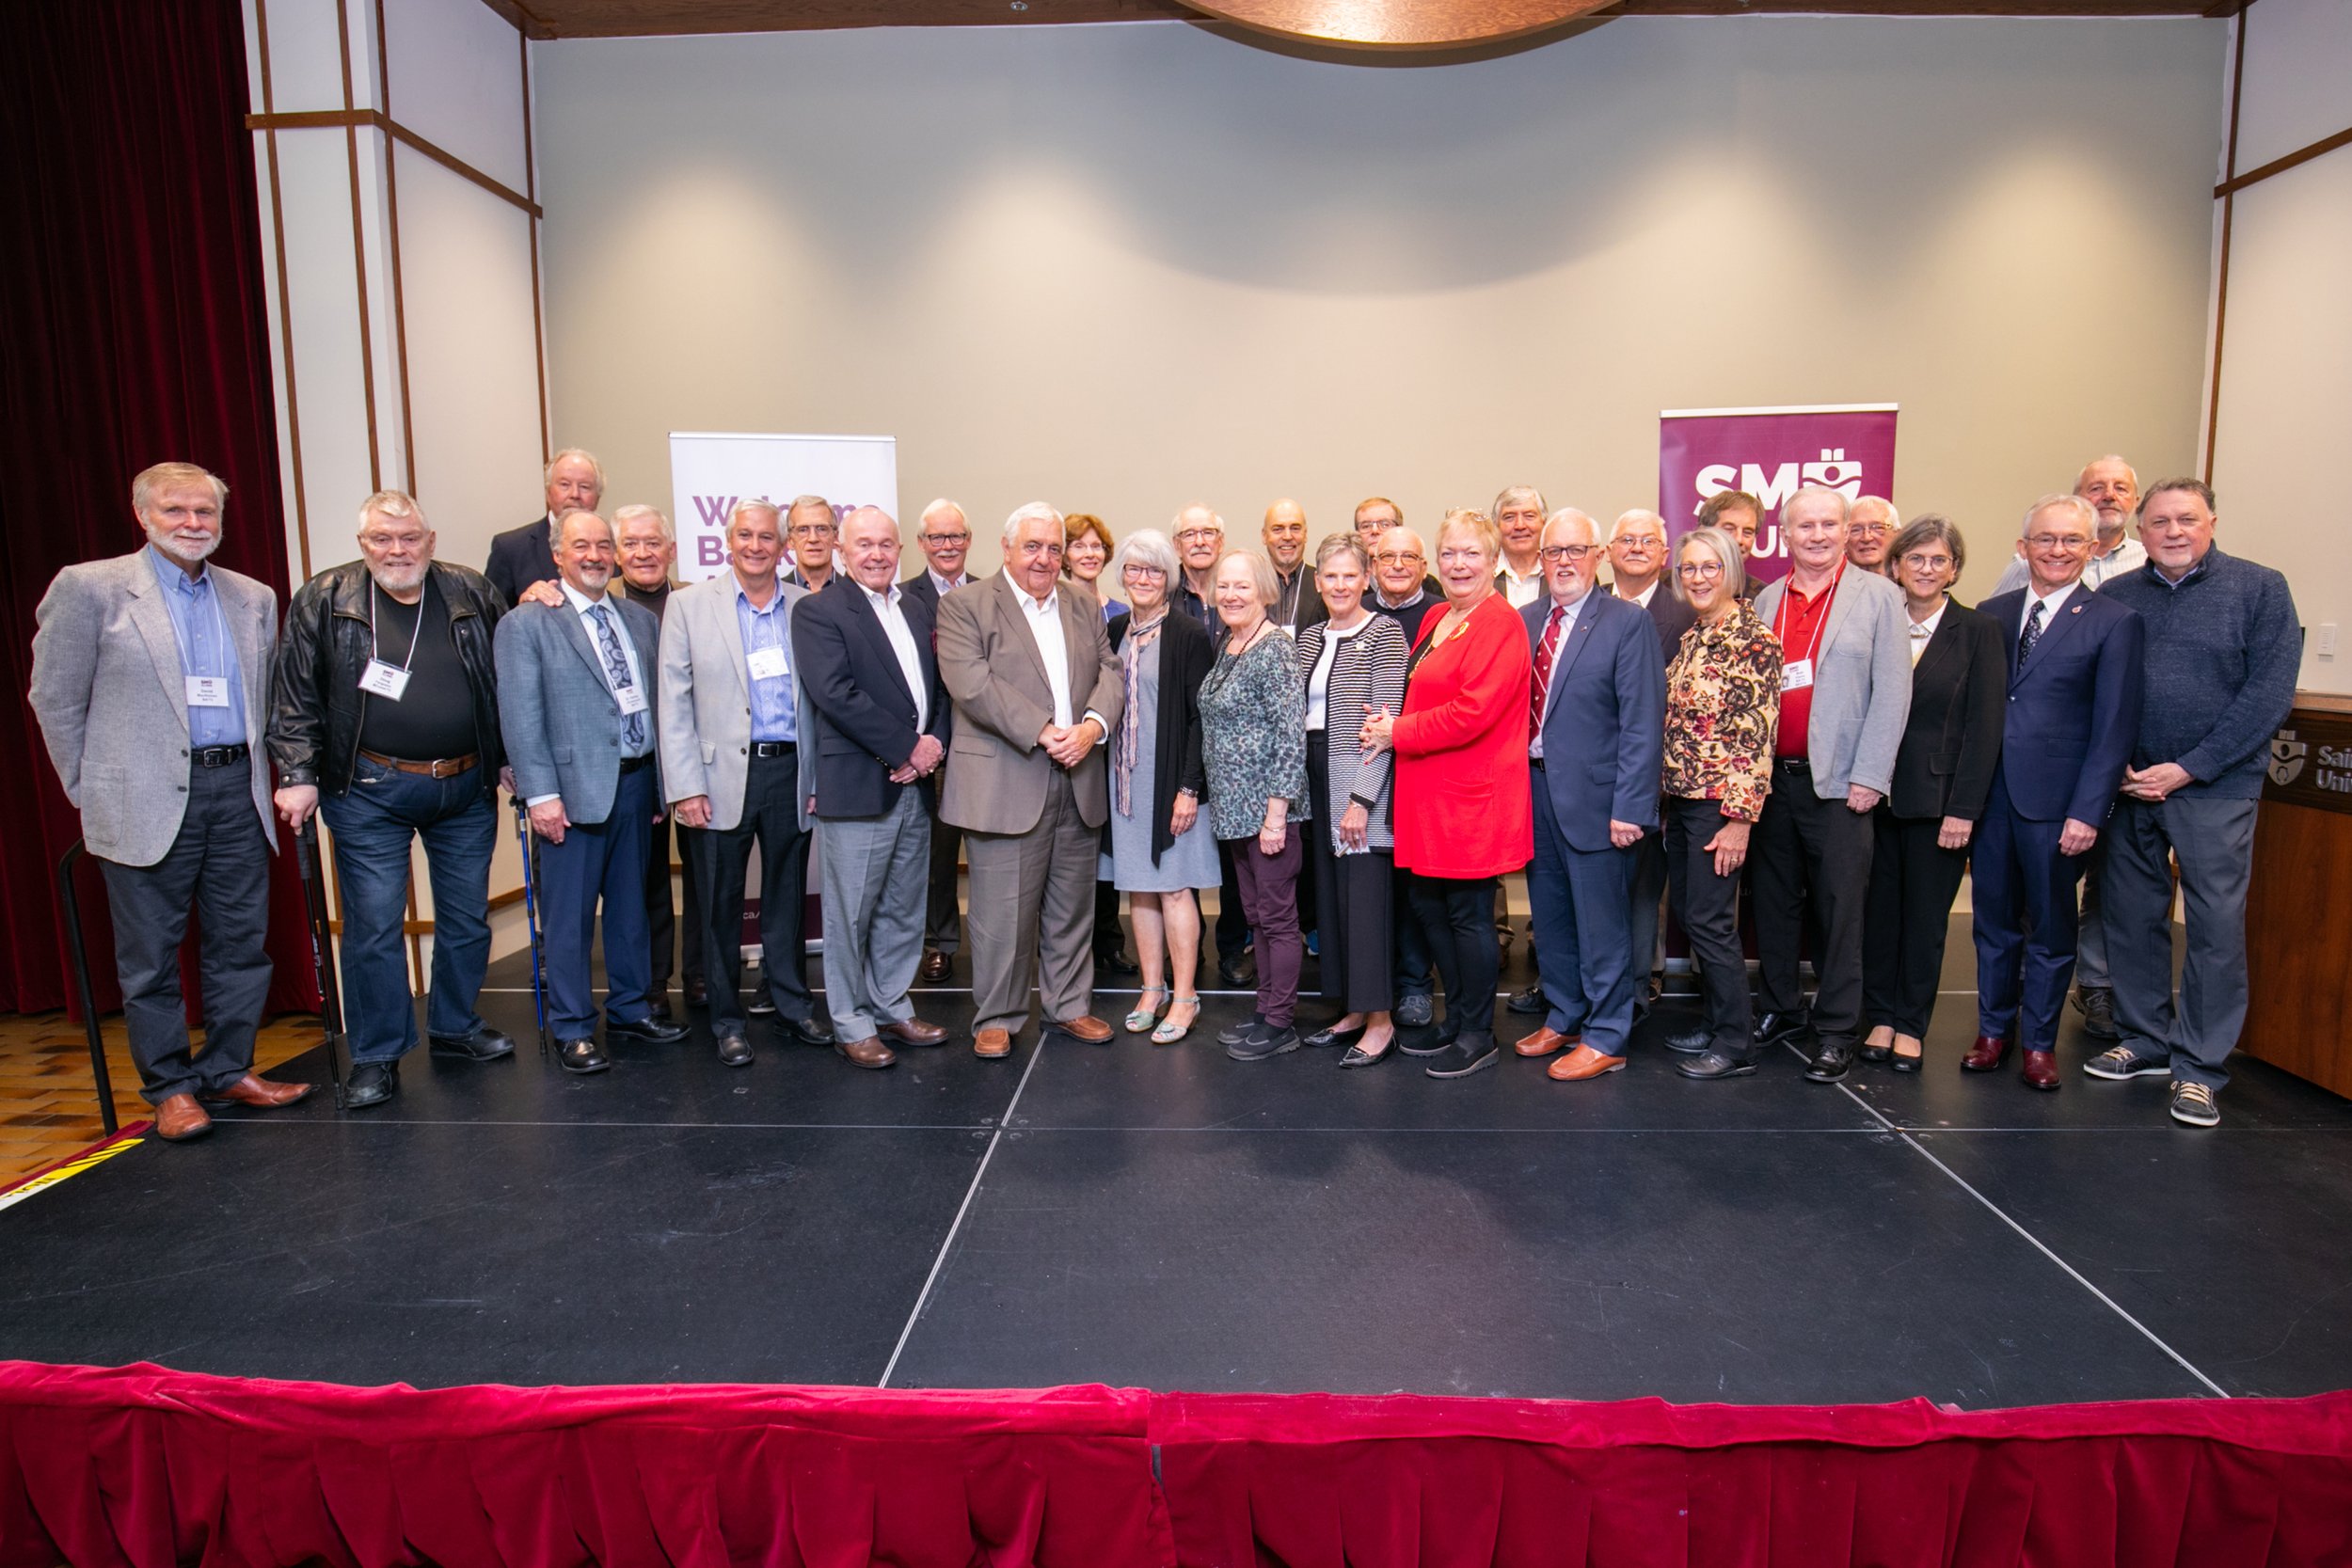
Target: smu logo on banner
{"points": [[709, 473], [1771, 453]]}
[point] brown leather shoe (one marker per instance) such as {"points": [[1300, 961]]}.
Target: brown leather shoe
{"points": [[1987, 1055], [1582, 1063], [933, 969], [262, 1094], [1087, 1029], [1542, 1042], [991, 1043], [913, 1031], [2041, 1070], [869, 1052], [180, 1118]]}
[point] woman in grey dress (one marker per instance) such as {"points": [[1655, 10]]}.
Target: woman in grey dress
{"points": [[1161, 847]]}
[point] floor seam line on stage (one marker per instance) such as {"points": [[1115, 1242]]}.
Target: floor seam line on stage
{"points": [[681, 1126], [2036, 1241], [923, 1296]]}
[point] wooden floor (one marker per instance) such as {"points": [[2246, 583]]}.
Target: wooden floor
{"points": [[49, 1101]]}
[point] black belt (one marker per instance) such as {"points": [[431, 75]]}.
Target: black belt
{"points": [[220, 756], [630, 765], [1793, 765], [771, 747], [1537, 763]]}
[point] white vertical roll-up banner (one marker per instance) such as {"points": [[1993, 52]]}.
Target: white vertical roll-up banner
{"points": [[711, 472]]}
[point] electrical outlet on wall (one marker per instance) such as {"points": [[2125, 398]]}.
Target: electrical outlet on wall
{"points": [[2327, 640]]}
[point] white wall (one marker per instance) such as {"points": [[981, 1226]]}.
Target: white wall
{"points": [[1125, 267]]}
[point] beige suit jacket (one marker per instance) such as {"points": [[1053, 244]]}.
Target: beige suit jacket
{"points": [[997, 773]]}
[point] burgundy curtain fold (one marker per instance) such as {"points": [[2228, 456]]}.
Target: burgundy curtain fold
{"points": [[133, 330]]}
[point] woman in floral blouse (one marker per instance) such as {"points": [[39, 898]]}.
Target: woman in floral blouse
{"points": [[1723, 698]]}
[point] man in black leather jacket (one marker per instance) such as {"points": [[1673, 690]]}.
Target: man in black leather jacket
{"points": [[384, 718]]}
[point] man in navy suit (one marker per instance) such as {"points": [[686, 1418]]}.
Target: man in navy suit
{"points": [[874, 720], [525, 555], [1597, 721], [2074, 694]]}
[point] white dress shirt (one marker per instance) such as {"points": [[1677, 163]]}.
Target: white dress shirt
{"points": [[1520, 592], [947, 585], [894, 624], [1923, 632], [1567, 629], [1044, 618], [2049, 617]]}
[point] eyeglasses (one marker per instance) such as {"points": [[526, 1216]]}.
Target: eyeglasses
{"points": [[1135, 571], [1871, 530], [1569, 552], [1918, 563], [813, 531], [1700, 571], [2069, 543], [1639, 542], [1395, 558], [1198, 535], [947, 539]]}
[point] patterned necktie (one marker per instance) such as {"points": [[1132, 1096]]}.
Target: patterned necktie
{"points": [[616, 665], [2032, 633], [1545, 652]]}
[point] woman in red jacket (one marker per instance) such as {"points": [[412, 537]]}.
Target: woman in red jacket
{"points": [[1463, 814]]}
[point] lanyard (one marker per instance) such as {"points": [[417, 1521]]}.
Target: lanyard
{"points": [[375, 649], [1819, 627]]}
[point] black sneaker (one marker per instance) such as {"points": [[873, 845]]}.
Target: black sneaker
{"points": [[1233, 1034], [1528, 1001], [1414, 1010], [2193, 1105], [1267, 1039], [1466, 1054], [2121, 1063], [2097, 1006]]}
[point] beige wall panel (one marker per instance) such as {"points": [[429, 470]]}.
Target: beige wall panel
{"points": [[2298, 78], [457, 81]]}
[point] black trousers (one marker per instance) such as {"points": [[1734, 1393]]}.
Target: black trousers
{"points": [[1232, 926], [1707, 907], [1457, 914], [220, 865], [1907, 916], [770, 817], [942, 918], [1817, 851], [1351, 909], [1649, 891], [662, 924]]}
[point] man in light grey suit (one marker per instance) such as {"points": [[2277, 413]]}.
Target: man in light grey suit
{"points": [[150, 676], [576, 706], [729, 724], [1036, 689], [1845, 692]]}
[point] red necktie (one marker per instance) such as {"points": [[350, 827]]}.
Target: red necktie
{"points": [[1544, 654]]}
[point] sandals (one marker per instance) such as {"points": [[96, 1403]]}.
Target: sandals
{"points": [[1143, 1017], [1169, 1031]]}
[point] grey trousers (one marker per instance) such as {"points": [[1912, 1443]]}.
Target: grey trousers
{"points": [[1033, 908], [875, 877], [220, 864], [2213, 842]]}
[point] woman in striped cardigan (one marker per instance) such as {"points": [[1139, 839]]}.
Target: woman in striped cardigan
{"points": [[1350, 665]]}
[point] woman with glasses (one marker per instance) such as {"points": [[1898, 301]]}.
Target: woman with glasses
{"points": [[1722, 703], [1943, 775], [1464, 816], [1350, 665], [1085, 553], [1161, 847]]}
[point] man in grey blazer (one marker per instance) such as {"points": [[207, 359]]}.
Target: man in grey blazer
{"points": [[729, 722], [150, 676], [576, 706], [1036, 689], [1845, 692]]}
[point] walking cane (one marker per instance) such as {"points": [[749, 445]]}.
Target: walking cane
{"points": [[528, 842], [323, 955]]}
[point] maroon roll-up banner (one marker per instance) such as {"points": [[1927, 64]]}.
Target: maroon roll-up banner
{"points": [[1771, 453]]}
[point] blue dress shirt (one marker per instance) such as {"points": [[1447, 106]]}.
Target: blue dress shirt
{"points": [[200, 627], [773, 715]]}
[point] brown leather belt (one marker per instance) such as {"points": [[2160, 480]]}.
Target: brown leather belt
{"points": [[447, 768]]}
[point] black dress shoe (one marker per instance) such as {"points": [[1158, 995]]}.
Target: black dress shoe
{"points": [[1528, 1001], [1830, 1063], [1335, 1036], [697, 992], [1358, 1056], [1116, 962], [1714, 1063], [485, 1044], [1233, 1034], [762, 1006], [1691, 1041], [1772, 1028], [933, 969], [372, 1083], [808, 1031], [1240, 973], [1901, 1063], [1267, 1039], [581, 1055], [661, 1011], [656, 1030], [735, 1050], [1875, 1052], [1465, 1055]]}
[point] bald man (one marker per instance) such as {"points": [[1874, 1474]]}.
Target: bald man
{"points": [[1296, 605]]}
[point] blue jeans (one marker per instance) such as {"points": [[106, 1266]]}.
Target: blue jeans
{"points": [[374, 826]]}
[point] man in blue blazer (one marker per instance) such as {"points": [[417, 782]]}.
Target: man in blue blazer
{"points": [[875, 720], [575, 706], [525, 555], [2074, 694], [1597, 721]]}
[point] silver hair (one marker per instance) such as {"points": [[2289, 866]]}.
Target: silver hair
{"points": [[754, 503], [1719, 543], [1145, 546], [1177, 526], [2083, 509], [546, 475], [1631, 516], [1573, 514], [2111, 457], [1845, 507], [1261, 574], [817, 502], [923, 518], [1510, 493], [628, 515], [562, 524], [173, 476], [1894, 518], [1349, 543], [391, 504], [1033, 512]]}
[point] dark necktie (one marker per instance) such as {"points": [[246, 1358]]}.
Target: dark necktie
{"points": [[616, 664], [2032, 633], [1545, 652]]}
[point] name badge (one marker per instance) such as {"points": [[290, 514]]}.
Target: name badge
{"points": [[767, 664], [631, 698], [208, 691], [1796, 675], [383, 680]]}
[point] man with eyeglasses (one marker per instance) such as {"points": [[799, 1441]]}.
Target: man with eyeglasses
{"points": [[811, 531], [1869, 528], [2224, 644], [944, 537], [1636, 571], [648, 553], [1199, 535], [2076, 691]]}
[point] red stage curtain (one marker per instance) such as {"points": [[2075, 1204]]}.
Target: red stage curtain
{"points": [[133, 331]]}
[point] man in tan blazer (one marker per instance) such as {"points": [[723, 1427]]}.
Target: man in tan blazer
{"points": [[1036, 690]]}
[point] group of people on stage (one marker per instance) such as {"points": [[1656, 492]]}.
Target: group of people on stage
{"points": [[1353, 740]]}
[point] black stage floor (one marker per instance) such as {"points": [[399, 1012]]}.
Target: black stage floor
{"points": [[1165, 1217]]}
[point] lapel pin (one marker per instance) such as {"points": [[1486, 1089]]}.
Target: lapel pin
{"points": [[2078, 610]]}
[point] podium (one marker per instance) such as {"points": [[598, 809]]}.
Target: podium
{"points": [[2298, 908]]}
